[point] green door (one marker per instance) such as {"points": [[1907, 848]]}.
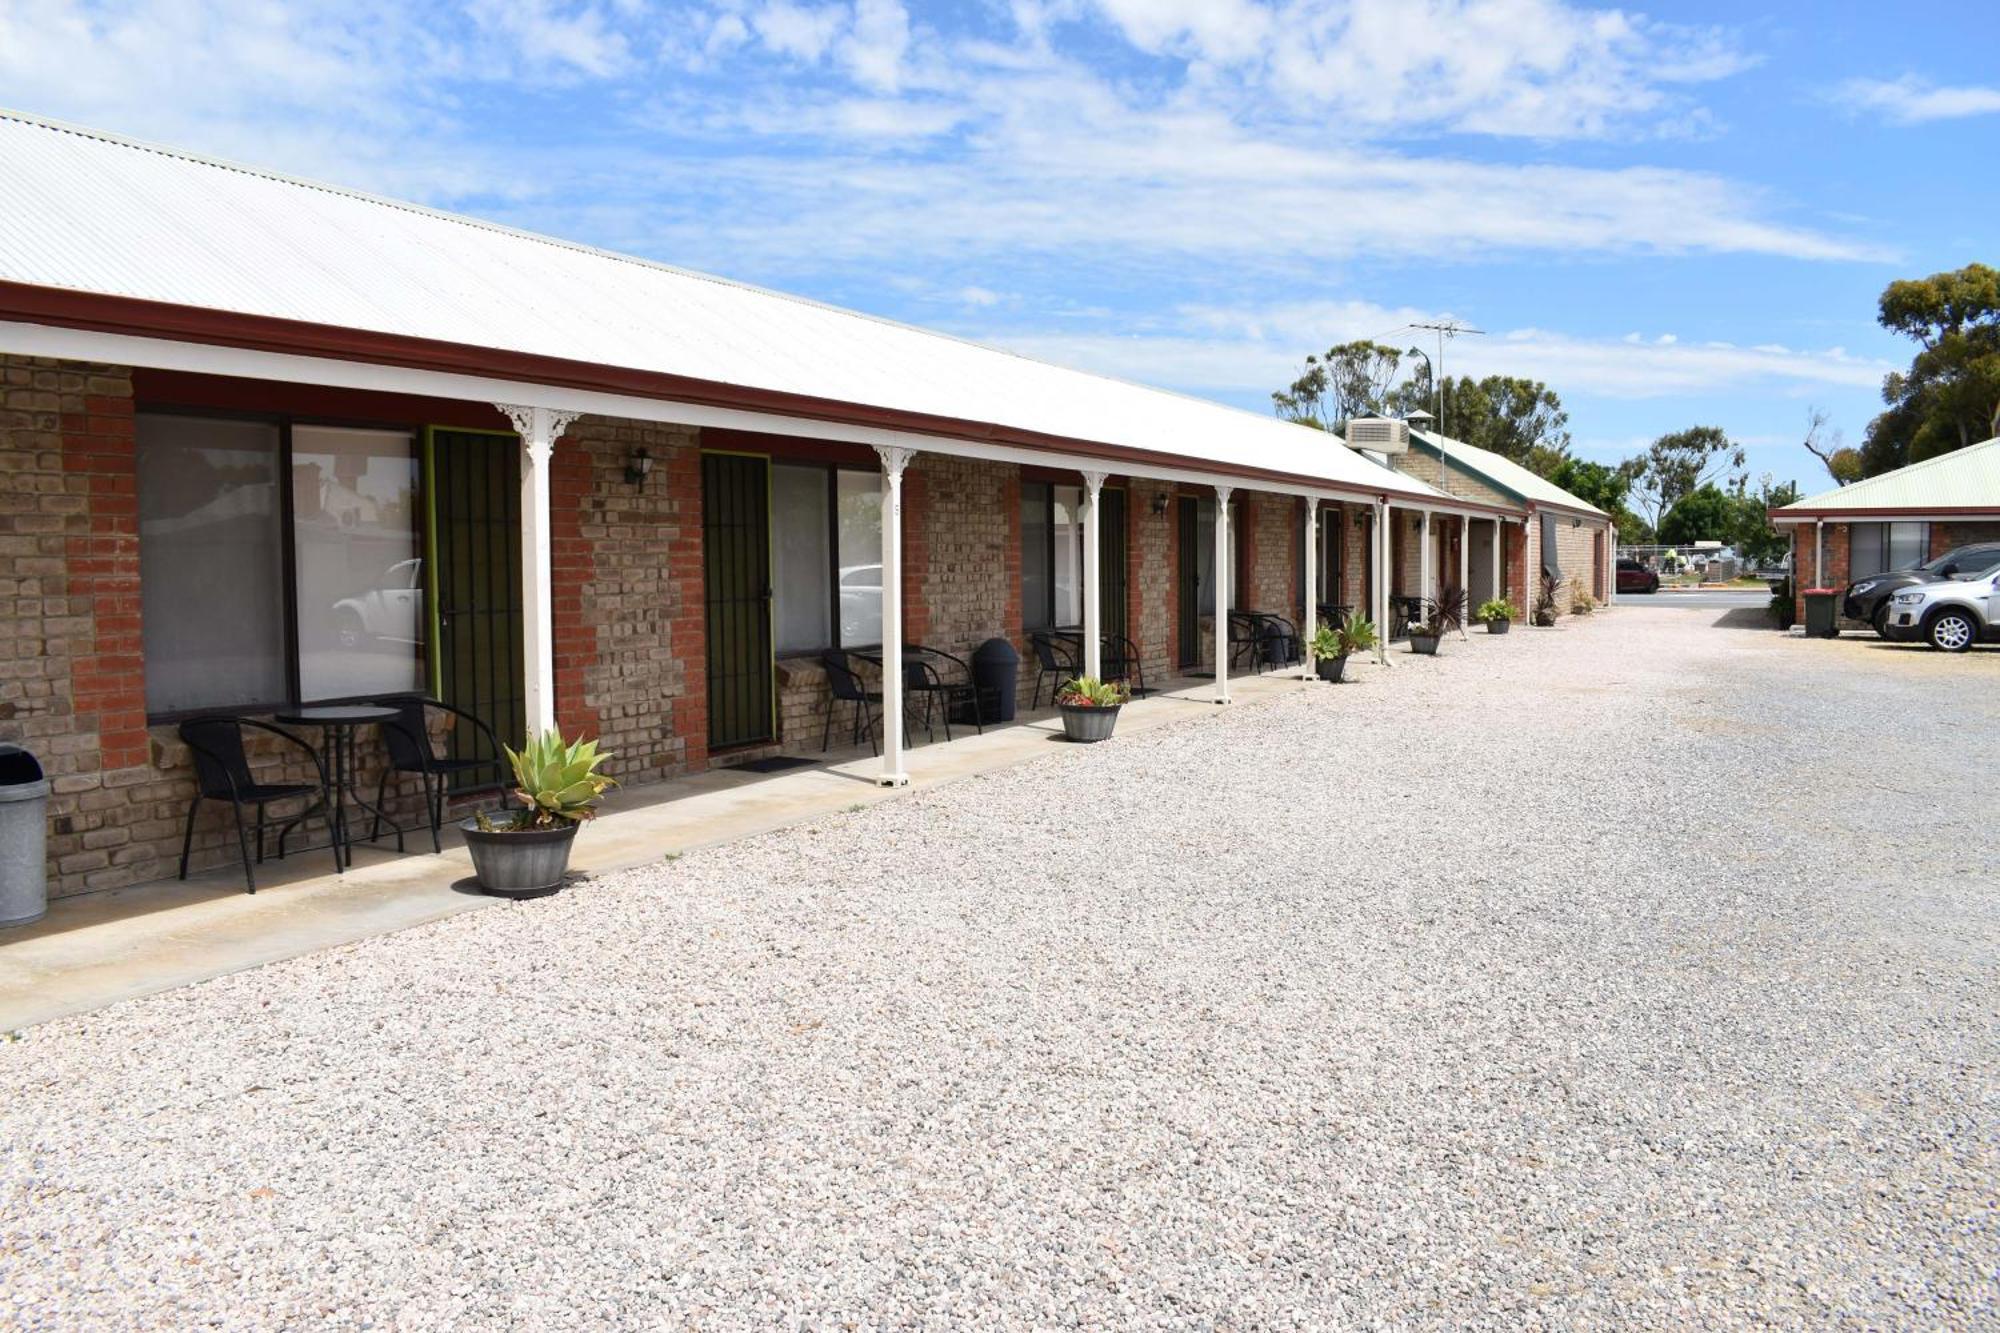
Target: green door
{"points": [[736, 574], [473, 544]]}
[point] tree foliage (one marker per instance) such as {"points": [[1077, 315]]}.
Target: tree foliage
{"points": [[1680, 463], [1737, 517], [1351, 380], [1948, 397], [1517, 418]]}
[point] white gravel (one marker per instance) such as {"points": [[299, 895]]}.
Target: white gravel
{"points": [[1634, 973]]}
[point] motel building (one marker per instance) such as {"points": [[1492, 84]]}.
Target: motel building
{"points": [[266, 443]]}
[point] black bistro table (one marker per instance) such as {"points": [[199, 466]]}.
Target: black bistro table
{"points": [[338, 722]]}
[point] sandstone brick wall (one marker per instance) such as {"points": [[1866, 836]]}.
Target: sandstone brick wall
{"points": [[629, 615], [1152, 552], [1277, 529]]}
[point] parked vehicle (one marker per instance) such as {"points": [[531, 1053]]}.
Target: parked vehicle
{"points": [[1950, 614], [389, 612], [1635, 577], [1868, 599]]}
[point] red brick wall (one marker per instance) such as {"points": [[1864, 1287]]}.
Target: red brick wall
{"points": [[1944, 536]]}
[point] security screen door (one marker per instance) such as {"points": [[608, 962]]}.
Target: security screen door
{"points": [[736, 576], [473, 540]]}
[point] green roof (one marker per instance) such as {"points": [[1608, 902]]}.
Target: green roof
{"points": [[1505, 473], [1964, 479]]}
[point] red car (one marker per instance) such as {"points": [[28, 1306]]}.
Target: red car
{"points": [[1635, 577]]}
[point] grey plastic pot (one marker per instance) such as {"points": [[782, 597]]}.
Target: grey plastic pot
{"points": [[519, 865], [1497, 626], [1425, 644], [1331, 669], [1087, 725]]}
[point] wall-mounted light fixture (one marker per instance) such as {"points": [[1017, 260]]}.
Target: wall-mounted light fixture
{"points": [[1159, 504], [637, 466], [1576, 522]]}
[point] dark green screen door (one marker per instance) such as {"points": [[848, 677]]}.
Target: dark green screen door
{"points": [[736, 573], [1187, 580], [474, 540], [1111, 568]]}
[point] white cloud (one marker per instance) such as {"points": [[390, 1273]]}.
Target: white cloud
{"points": [[1255, 350], [1913, 101]]}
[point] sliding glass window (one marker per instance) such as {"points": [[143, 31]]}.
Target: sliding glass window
{"points": [[826, 568], [276, 563], [1051, 555]]}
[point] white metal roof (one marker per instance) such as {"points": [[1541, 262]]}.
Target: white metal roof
{"points": [[95, 213], [1966, 478], [1505, 473]]}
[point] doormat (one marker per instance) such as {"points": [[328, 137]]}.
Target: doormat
{"points": [[777, 763]]}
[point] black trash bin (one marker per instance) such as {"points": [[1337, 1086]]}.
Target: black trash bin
{"points": [[1822, 613], [24, 800], [996, 673]]}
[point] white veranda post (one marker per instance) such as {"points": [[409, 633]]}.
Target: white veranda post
{"points": [[1499, 571], [894, 460], [1424, 571], [539, 428], [1093, 556], [1311, 620], [1222, 494], [1382, 582]]}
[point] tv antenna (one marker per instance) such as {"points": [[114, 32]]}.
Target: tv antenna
{"points": [[1447, 328]]}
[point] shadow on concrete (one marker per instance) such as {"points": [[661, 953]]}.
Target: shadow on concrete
{"points": [[1748, 617]]}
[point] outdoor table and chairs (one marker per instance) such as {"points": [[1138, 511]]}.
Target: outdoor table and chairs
{"points": [[338, 723], [945, 684]]}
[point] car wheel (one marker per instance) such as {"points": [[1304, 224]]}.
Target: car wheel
{"points": [[348, 631], [1882, 621], [1951, 630]]}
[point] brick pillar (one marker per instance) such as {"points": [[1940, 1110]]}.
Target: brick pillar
{"points": [[108, 678], [687, 598], [916, 549], [572, 568]]}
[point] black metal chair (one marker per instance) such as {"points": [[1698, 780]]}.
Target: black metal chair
{"points": [[924, 679], [1244, 638], [1122, 662], [408, 740], [222, 773], [1278, 640], [845, 686], [1054, 661]]}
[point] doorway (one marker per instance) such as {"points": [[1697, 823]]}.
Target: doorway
{"points": [[472, 541], [736, 581]]}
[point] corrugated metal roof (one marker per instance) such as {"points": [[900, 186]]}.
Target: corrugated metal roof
{"points": [[1966, 478], [96, 213], [1505, 473]]}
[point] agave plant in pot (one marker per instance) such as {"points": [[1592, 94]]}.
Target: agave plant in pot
{"points": [[1332, 647], [1498, 613], [1090, 707], [558, 787]]}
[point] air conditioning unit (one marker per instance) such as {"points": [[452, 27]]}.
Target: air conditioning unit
{"points": [[1382, 435]]}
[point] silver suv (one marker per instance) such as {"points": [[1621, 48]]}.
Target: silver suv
{"points": [[1952, 614]]}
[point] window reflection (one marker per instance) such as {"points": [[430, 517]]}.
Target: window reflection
{"points": [[360, 584]]}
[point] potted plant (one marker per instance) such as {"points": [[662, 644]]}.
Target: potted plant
{"points": [[1546, 608], [1328, 658], [558, 787], [1498, 613], [1357, 634], [1090, 708], [1426, 634]]}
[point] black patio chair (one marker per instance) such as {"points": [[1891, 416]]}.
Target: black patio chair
{"points": [[924, 677], [845, 686], [1054, 660], [408, 740], [1122, 662], [1243, 638], [1277, 640], [222, 773]]}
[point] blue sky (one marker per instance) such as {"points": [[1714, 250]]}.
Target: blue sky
{"points": [[1674, 216]]}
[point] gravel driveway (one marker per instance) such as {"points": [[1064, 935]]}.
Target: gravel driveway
{"points": [[1576, 978]]}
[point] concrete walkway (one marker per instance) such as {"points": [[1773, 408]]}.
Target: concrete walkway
{"points": [[97, 949]]}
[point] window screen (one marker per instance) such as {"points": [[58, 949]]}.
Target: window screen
{"points": [[801, 558], [211, 563], [361, 615]]}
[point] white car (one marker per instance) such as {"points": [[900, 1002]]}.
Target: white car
{"points": [[1951, 614]]}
